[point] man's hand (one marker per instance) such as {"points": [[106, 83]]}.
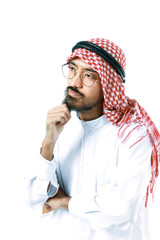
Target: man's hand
{"points": [[60, 200], [56, 119]]}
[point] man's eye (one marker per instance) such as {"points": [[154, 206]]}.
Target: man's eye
{"points": [[71, 68], [89, 75]]}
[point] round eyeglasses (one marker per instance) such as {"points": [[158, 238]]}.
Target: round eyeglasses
{"points": [[88, 78]]}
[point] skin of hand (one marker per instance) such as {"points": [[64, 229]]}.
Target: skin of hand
{"points": [[56, 119], [60, 200]]}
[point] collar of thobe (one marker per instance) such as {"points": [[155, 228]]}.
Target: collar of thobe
{"points": [[94, 124]]}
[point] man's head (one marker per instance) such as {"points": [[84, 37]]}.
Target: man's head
{"points": [[111, 80], [84, 91]]}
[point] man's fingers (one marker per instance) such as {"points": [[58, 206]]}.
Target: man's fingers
{"points": [[60, 117], [62, 107], [49, 209], [59, 114], [56, 119]]}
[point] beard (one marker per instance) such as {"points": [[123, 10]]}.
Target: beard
{"points": [[77, 104]]}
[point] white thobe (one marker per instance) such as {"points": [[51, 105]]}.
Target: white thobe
{"points": [[106, 179]]}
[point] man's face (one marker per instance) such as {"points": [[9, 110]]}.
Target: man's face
{"points": [[80, 97]]}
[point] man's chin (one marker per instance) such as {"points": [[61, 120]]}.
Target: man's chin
{"points": [[77, 108], [74, 105], [70, 102]]}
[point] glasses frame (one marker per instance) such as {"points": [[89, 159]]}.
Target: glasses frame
{"points": [[80, 76]]}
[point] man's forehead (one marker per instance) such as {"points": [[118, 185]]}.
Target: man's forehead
{"points": [[78, 62]]}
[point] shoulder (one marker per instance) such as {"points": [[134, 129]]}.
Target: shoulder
{"points": [[135, 146], [133, 133]]}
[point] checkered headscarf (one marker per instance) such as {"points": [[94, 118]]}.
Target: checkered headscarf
{"points": [[118, 108]]}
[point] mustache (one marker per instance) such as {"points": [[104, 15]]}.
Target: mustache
{"points": [[65, 95], [74, 89]]}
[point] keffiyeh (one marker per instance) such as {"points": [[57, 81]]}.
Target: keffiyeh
{"points": [[118, 108]]}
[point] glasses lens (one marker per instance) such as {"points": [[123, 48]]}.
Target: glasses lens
{"points": [[68, 71], [87, 79]]}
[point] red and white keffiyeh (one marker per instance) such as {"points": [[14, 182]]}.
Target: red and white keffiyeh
{"points": [[118, 108]]}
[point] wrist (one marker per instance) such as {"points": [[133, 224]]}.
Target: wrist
{"points": [[48, 142], [65, 202], [47, 149]]}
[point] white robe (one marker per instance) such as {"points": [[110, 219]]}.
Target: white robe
{"points": [[106, 179]]}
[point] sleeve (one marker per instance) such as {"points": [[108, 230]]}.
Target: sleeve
{"points": [[119, 201], [36, 186]]}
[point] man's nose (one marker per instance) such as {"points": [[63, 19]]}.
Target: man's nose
{"points": [[76, 81]]}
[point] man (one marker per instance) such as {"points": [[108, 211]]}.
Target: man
{"points": [[96, 164]]}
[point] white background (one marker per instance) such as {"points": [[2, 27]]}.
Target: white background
{"points": [[35, 39]]}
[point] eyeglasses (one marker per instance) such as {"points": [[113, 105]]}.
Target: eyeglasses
{"points": [[87, 78]]}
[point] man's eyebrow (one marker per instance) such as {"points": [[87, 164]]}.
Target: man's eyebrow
{"points": [[87, 69]]}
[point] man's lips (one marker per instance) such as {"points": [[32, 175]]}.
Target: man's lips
{"points": [[73, 93]]}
